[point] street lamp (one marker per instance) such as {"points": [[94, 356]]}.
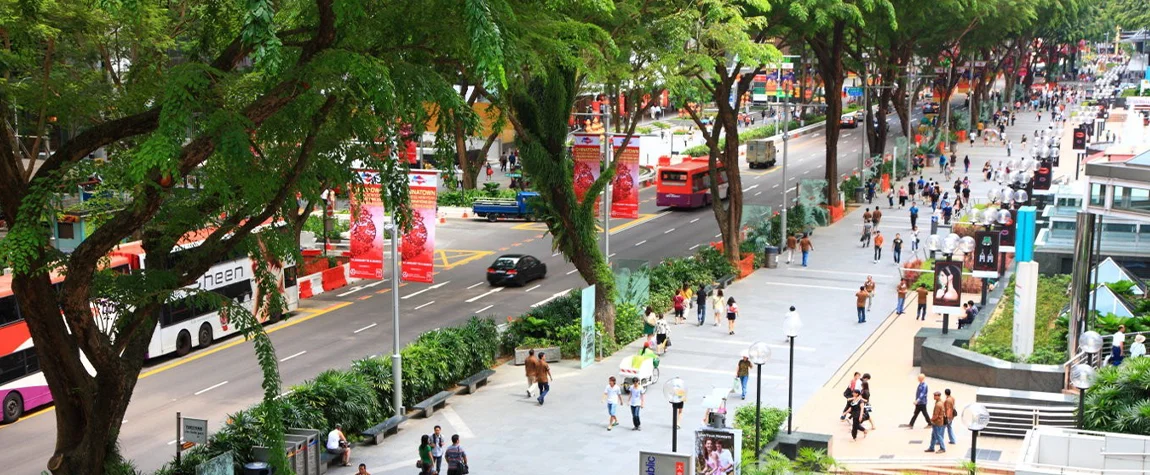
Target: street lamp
{"points": [[1082, 377], [675, 391], [791, 324], [975, 417], [1090, 343], [759, 353]]}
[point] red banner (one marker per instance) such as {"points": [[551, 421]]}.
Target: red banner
{"points": [[625, 186], [367, 222], [418, 247], [588, 156]]}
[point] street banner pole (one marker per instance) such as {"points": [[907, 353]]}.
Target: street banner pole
{"points": [[396, 359]]}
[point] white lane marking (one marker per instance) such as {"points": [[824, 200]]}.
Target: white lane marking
{"points": [[749, 188], [669, 231], [476, 285], [365, 328], [552, 297], [171, 442], [373, 284], [554, 254], [693, 220], [610, 255], [719, 235], [441, 284], [489, 292], [692, 248], [808, 171], [816, 134], [709, 371], [573, 271], [413, 294], [640, 243], [477, 312], [209, 388], [745, 343], [793, 178], [428, 303], [352, 291], [533, 288], [757, 193], [457, 422], [793, 188], [776, 186], [758, 176], [292, 356]]}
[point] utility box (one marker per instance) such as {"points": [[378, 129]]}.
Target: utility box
{"points": [[315, 447], [298, 454]]}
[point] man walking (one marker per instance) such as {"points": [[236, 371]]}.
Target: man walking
{"points": [[611, 396], [860, 302], [806, 247], [743, 372], [456, 457], [437, 446], [948, 407], [869, 285], [531, 366], [913, 214], [901, 297], [937, 425], [701, 302], [792, 242], [637, 402], [543, 376], [920, 401], [896, 247], [876, 217], [921, 313], [878, 242]]}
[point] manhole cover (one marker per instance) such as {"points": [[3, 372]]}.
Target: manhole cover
{"points": [[914, 442], [984, 454]]}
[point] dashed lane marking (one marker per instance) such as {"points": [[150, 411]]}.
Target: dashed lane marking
{"points": [[424, 305], [365, 328]]}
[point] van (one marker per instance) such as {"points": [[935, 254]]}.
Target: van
{"points": [[761, 153]]}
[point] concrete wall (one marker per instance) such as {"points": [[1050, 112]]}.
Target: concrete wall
{"points": [[942, 359]]}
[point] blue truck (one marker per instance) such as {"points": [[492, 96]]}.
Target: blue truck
{"points": [[505, 208]]}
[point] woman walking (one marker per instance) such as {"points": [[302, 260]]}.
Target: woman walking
{"points": [[661, 332], [717, 304], [425, 464], [857, 406], [732, 314]]}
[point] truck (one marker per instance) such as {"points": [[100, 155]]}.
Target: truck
{"points": [[505, 208], [761, 153]]}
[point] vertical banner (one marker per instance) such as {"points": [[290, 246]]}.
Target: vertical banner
{"points": [[1008, 233], [588, 154], [625, 186], [719, 451], [587, 314], [367, 225], [986, 254], [947, 286], [418, 247], [1025, 303]]}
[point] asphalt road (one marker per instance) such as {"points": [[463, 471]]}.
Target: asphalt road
{"points": [[336, 328]]}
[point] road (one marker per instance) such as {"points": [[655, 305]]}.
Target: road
{"points": [[336, 328]]}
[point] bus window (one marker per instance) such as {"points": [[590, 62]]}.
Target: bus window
{"points": [[9, 310], [673, 176], [290, 276], [18, 365], [239, 291], [701, 181]]}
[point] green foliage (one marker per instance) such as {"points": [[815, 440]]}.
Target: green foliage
{"points": [[314, 225], [847, 187], [1124, 288], [995, 339], [1117, 401], [343, 397], [465, 198], [771, 420]]}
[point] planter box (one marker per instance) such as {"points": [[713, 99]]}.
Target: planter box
{"points": [[551, 354]]}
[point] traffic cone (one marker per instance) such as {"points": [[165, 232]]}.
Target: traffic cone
{"points": [[442, 220], [464, 215]]}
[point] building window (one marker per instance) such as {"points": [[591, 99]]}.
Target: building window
{"points": [[66, 230], [1097, 194], [1140, 200]]}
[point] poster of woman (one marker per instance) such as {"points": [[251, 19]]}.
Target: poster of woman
{"points": [[715, 451], [947, 286]]}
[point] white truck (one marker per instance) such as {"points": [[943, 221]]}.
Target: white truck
{"points": [[761, 153]]}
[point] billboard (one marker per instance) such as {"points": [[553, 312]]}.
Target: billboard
{"points": [[625, 186], [588, 154], [718, 451], [418, 247], [986, 254], [1008, 233], [947, 286], [1079, 138], [367, 223], [665, 463]]}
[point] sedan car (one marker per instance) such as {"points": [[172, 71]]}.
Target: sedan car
{"points": [[515, 269], [848, 122]]}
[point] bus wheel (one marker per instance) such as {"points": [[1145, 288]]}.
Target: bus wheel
{"points": [[205, 335], [13, 407], [183, 343], [491, 218]]}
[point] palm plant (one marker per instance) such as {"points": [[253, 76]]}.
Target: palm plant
{"points": [[1119, 400], [343, 397]]}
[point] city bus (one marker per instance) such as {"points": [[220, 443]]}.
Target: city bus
{"points": [[688, 184]]}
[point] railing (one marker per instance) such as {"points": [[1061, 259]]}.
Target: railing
{"points": [[1010, 420], [1100, 359]]}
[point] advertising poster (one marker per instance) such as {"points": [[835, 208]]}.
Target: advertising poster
{"points": [[947, 286], [718, 451], [367, 223], [588, 155], [1042, 175], [625, 186], [417, 252], [986, 254], [587, 322], [1008, 233], [665, 463]]}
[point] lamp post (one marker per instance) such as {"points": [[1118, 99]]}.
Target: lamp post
{"points": [[791, 324], [976, 418], [1090, 343], [675, 391], [1082, 377], [759, 353]]}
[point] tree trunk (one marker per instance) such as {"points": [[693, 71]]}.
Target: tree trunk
{"points": [[829, 52], [469, 167]]}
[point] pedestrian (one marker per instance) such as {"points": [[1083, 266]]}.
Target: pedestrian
{"points": [[902, 288], [849, 394], [914, 239], [1010, 145], [870, 287], [661, 332], [679, 302], [701, 302], [867, 216], [437, 446], [937, 425], [913, 214], [732, 314], [503, 163], [876, 217], [868, 226], [543, 376], [878, 242], [896, 247], [456, 457], [688, 300], [743, 372], [1138, 349], [717, 304], [866, 416], [966, 163], [792, 242], [910, 186], [920, 401], [902, 196], [649, 318], [1118, 346], [489, 171], [806, 247], [921, 313], [860, 302], [337, 445], [856, 414], [986, 171], [362, 470], [611, 395], [425, 464], [637, 402], [531, 367], [951, 412], [890, 198]]}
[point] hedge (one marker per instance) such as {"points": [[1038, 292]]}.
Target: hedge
{"points": [[771, 420], [996, 338]]}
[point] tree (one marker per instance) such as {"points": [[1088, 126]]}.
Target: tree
{"points": [[168, 91], [1117, 400]]}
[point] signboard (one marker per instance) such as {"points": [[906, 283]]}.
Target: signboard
{"points": [[222, 464], [1025, 303], [986, 254], [417, 251], [665, 463], [195, 430], [718, 451], [588, 154], [947, 286], [587, 322], [1008, 233], [1042, 175], [367, 227], [854, 91], [625, 186], [868, 162], [1079, 138]]}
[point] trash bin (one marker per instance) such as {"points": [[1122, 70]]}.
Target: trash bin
{"points": [[258, 468], [772, 260], [859, 194]]}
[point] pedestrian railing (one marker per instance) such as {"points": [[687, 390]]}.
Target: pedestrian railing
{"points": [[1010, 420]]}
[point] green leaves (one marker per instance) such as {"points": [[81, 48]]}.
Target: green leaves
{"points": [[486, 44]]}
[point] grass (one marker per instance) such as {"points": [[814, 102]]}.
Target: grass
{"points": [[996, 337]]}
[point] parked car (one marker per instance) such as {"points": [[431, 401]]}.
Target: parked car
{"points": [[515, 269], [848, 122]]}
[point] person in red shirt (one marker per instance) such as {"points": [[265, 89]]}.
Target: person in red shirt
{"points": [[680, 305]]}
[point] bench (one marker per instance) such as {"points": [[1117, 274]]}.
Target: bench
{"points": [[428, 405], [725, 280], [377, 433], [328, 460], [473, 382]]}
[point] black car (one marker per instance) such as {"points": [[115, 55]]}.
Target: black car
{"points": [[848, 122], [515, 269]]}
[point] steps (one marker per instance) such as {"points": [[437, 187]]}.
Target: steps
{"points": [[880, 467]]}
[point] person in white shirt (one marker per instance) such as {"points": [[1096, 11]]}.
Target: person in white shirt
{"points": [[437, 446], [637, 402], [613, 397], [337, 444], [1118, 346], [726, 461], [1138, 349]]}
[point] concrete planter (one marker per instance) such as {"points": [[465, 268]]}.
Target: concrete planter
{"points": [[551, 354]]}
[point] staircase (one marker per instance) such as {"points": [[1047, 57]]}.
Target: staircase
{"points": [[1011, 420], [878, 467]]}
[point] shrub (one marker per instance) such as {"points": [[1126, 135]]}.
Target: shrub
{"points": [[343, 397], [771, 420], [1117, 401], [995, 339]]}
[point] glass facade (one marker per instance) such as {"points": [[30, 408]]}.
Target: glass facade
{"points": [[1097, 194]]}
